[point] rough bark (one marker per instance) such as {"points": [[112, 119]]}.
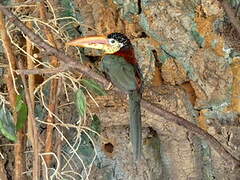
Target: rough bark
{"points": [[187, 71]]}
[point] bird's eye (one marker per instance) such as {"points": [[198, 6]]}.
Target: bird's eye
{"points": [[112, 41]]}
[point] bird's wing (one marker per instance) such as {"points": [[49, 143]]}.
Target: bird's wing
{"points": [[120, 72]]}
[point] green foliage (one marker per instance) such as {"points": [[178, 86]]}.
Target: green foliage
{"points": [[96, 124], [94, 87], [80, 102], [7, 127], [22, 112], [68, 10], [86, 149]]}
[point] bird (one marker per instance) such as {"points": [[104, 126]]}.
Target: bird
{"points": [[120, 66]]}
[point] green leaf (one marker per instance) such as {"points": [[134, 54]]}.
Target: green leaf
{"points": [[96, 124], [18, 103], [67, 7], [68, 25], [7, 127], [80, 102], [94, 87], [22, 112]]}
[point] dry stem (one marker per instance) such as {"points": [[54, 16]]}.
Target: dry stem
{"points": [[31, 118], [53, 90], [9, 78], [42, 71]]}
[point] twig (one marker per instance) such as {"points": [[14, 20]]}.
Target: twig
{"points": [[31, 83], [10, 57], [42, 71], [194, 129], [30, 64], [151, 108], [31, 118], [4, 65], [53, 90], [9, 78], [49, 50]]}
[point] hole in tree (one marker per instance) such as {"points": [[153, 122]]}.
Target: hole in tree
{"points": [[108, 147]]}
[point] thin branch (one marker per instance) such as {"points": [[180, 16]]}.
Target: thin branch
{"points": [[42, 71], [151, 108], [9, 78], [53, 90], [10, 57], [30, 64], [49, 50], [31, 118], [194, 129], [31, 84]]}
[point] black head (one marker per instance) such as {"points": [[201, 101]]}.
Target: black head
{"points": [[121, 38]]}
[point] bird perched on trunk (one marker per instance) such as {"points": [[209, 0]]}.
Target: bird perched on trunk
{"points": [[120, 66]]}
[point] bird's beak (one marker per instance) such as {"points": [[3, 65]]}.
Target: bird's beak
{"points": [[95, 42]]}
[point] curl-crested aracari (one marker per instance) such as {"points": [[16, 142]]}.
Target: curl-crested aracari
{"points": [[120, 66]]}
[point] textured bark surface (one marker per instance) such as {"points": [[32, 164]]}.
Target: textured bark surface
{"points": [[188, 59], [188, 50]]}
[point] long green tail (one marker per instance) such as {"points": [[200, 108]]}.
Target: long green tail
{"points": [[135, 123]]}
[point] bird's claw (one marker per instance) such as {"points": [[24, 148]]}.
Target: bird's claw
{"points": [[109, 86]]}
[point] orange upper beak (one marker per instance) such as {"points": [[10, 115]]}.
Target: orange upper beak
{"points": [[95, 42], [89, 42]]}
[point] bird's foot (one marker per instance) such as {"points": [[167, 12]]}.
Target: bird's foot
{"points": [[109, 86]]}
